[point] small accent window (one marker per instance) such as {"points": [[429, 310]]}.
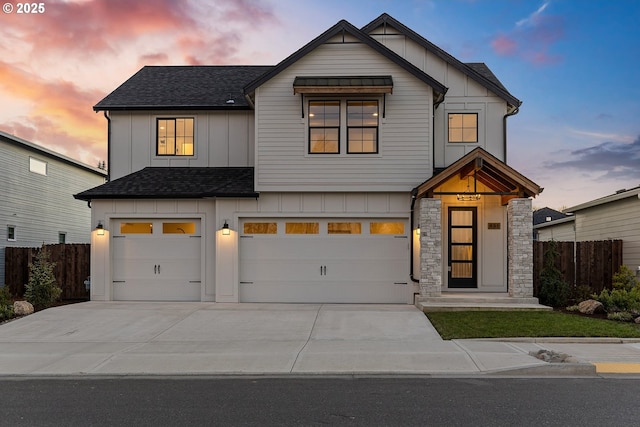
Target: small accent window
{"points": [[463, 127], [136, 228], [11, 233], [344, 228], [178, 228], [362, 126], [175, 137], [386, 228], [37, 166], [324, 127], [62, 237], [302, 228], [260, 228]]}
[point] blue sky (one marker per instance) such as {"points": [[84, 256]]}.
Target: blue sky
{"points": [[573, 63]]}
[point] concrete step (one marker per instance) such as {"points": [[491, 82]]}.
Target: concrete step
{"points": [[469, 301]]}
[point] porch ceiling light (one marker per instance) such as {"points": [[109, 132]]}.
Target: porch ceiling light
{"points": [[468, 196], [225, 229]]}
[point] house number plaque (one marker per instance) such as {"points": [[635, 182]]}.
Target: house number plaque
{"points": [[494, 226]]}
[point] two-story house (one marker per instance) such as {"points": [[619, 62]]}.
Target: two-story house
{"points": [[36, 203], [369, 166]]}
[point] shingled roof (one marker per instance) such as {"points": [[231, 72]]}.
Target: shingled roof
{"points": [[183, 87], [177, 183]]}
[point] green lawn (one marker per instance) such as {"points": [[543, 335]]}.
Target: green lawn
{"points": [[502, 324]]}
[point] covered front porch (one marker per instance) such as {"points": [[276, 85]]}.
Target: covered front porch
{"points": [[476, 237]]}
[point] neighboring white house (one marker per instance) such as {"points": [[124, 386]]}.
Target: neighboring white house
{"points": [[369, 166], [36, 198], [614, 217]]}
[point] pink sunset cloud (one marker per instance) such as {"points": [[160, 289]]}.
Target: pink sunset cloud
{"points": [[532, 38], [54, 63]]}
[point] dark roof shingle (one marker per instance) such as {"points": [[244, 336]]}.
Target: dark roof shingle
{"points": [[177, 183], [183, 87]]}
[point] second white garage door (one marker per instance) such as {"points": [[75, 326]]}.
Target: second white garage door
{"points": [[324, 260]]}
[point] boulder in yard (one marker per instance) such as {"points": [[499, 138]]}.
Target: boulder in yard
{"points": [[590, 306], [22, 308]]}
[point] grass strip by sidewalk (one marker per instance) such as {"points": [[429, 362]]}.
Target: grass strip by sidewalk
{"points": [[502, 324]]}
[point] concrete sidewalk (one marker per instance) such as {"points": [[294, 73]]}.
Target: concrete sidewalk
{"points": [[116, 338]]}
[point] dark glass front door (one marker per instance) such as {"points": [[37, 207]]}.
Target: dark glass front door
{"points": [[463, 247]]}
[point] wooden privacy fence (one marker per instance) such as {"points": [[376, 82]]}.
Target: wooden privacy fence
{"points": [[592, 264], [71, 270]]}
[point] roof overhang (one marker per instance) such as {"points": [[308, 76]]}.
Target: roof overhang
{"points": [[496, 175], [343, 85]]}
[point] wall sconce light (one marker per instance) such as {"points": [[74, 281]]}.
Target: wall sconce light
{"points": [[225, 229], [418, 231], [100, 229]]}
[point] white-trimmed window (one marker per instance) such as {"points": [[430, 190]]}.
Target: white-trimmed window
{"points": [[11, 233], [175, 136], [62, 237], [463, 127], [37, 166]]}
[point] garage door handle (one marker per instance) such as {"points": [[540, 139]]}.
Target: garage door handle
{"points": [[155, 269], [158, 268]]}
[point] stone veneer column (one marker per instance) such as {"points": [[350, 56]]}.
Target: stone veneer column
{"points": [[520, 248], [430, 248]]}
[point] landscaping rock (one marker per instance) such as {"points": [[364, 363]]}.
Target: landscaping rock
{"points": [[590, 306], [22, 308], [637, 320], [551, 356]]}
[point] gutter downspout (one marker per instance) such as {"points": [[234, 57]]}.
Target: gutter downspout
{"points": [[439, 100], [106, 116], [413, 204], [513, 112]]}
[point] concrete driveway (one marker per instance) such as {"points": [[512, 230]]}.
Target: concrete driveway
{"points": [[117, 338]]}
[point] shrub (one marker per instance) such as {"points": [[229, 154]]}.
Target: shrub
{"points": [[625, 279], [625, 295], [621, 316], [554, 291], [6, 304], [41, 291]]}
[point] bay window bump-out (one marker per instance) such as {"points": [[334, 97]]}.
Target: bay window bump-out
{"points": [[175, 136]]}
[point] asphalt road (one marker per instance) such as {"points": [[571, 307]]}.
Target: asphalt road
{"points": [[319, 401]]}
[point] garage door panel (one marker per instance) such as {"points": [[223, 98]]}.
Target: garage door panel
{"points": [[157, 266], [155, 290], [323, 292], [324, 268]]}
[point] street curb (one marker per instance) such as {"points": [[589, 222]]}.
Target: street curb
{"points": [[550, 369], [560, 340]]}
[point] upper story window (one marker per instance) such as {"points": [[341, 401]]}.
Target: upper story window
{"points": [[324, 127], [37, 166], [327, 124], [362, 126], [463, 127], [175, 136], [11, 233]]}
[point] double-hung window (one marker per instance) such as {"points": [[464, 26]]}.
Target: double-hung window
{"points": [[362, 127], [328, 126], [175, 136], [324, 127]]}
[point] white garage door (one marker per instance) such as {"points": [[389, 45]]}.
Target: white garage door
{"points": [[156, 260], [324, 260]]}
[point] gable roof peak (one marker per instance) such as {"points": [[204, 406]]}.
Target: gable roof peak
{"points": [[341, 27], [476, 71]]}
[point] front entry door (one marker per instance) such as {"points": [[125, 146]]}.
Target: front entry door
{"points": [[463, 247]]}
